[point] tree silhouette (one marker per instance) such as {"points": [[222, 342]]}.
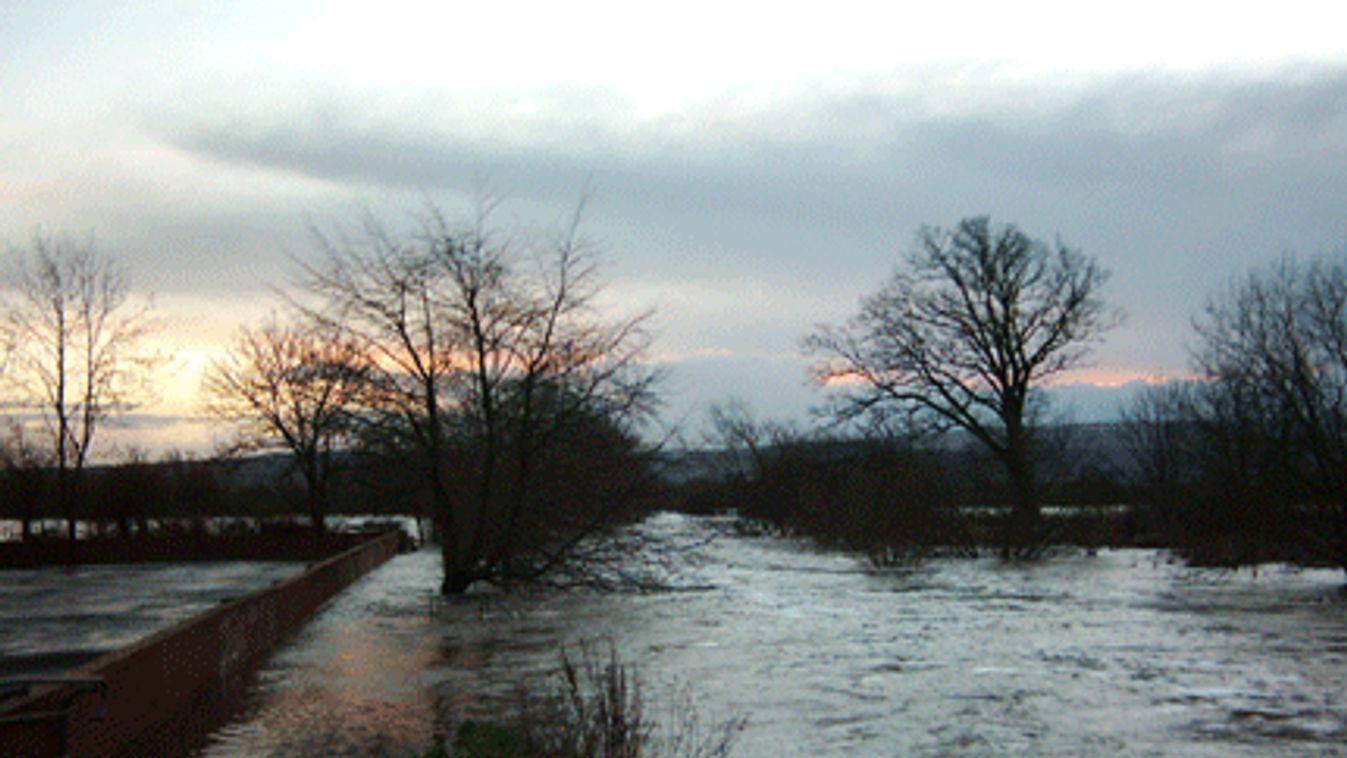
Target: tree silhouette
{"points": [[78, 349], [489, 365], [1273, 349], [973, 321], [291, 388]]}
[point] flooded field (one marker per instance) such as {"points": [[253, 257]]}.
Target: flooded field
{"points": [[55, 618], [1121, 654]]}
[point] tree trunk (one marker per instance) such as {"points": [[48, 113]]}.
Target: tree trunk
{"points": [[1342, 536], [459, 571], [457, 576], [456, 581], [67, 498], [1021, 535], [317, 510], [314, 470]]}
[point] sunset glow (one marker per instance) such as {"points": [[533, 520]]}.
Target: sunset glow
{"points": [[755, 170]]}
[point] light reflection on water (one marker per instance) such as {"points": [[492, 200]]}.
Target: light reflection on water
{"points": [[1122, 653]]}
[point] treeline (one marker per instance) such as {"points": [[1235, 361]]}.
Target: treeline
{"points": [[439, 367], [896, 499], [1249, 462], [1172, 474], [451, 370], [1244, 463], [140, 496]]}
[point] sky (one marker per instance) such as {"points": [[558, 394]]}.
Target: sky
{"points": [[756, 168]]}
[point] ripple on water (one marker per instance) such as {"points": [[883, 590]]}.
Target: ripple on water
{"points": [[1120, 654]]}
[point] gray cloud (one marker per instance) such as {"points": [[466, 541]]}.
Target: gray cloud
{"points": [[1188, 156], [1174, 182]]}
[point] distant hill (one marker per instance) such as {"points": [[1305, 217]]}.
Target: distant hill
{"points": [[1098, 446]]}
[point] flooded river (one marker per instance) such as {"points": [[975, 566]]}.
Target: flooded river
{"points": [[1121, 654]]}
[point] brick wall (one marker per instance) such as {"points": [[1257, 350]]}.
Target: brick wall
{"points": [[166, 692]]}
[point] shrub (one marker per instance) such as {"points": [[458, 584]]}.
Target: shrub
{"points": [[592, 708]]}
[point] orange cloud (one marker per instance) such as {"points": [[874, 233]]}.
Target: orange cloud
{"points": [[1115, 376]]}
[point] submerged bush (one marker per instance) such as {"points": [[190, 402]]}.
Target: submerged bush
{"points": [[593, 708], [486, 739]]}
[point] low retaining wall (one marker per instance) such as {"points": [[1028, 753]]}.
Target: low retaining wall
{"points": [[164, 693]]}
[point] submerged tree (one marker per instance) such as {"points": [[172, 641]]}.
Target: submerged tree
{"points": [[1273, 349], [295, 389], [494, 368], [975, 319], [78, 349]]}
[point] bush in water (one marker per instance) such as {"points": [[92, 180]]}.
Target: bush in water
{"points": [[592, 708]]}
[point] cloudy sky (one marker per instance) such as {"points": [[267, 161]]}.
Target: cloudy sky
{"points": [[757, 167]]}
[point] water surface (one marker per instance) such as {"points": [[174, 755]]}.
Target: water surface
{"points": [[1123, 653]]}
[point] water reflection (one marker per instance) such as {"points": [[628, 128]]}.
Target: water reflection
{"points": [[1120, 653]]}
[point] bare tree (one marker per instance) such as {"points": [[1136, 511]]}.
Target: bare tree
{"points": [[79, 353], [491, 365], [1159, 431], [975, 319], [1283, 331], [1273, 347], [291, 388], [744, 439]]}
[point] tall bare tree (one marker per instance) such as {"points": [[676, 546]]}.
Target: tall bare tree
{"points": [[291, 388], [1273, 347], [79, 354], [492, 364], [1283, 331], [975, 319]]}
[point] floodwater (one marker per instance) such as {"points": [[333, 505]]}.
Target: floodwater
{"points": [[56, 618], [1122, 653]]}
